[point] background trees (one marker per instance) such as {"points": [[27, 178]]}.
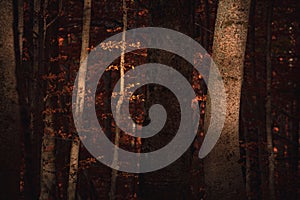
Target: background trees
{"points": [[41, 59]]}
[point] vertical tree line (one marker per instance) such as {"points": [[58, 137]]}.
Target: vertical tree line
{"points": [[255, 45], [80, 98]]}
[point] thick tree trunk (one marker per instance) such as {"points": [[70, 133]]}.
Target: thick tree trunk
{"points": [[223, 173], [10, 149], [74, 155]]}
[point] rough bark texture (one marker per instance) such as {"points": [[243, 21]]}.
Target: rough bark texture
{"points": [[74, 155], [223, 174], [9, 116]]}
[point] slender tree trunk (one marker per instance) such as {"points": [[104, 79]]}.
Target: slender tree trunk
{"points": [[260, 17], [28, 79], [48, 170], [296, 122], [245, 137], [48, 50], [9, 104], [22, 94], [34, 101], [271, 163], [171, 182], [251, 113], [114, 172], [206, 33], [75, 146], [223, 173], [245, 98], [21, 88], [20, 26], [293, 149]]}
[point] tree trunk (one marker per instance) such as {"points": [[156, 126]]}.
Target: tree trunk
{"points": [[223, 173], [114, 172], [260, 17], [271, 159], [20, 27], [48, 45], [10, 114], [251, 111], [28, 96], [75, 146], [173, 181]]}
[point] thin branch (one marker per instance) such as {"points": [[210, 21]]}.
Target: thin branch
{"points": [[203, 28], [57, 16]]}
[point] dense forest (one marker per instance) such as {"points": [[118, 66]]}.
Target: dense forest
{"points": [[51, 50]]}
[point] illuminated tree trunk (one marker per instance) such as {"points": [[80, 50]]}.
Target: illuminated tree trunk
{"points": [[48, 170], [223, 173], [271, 160], [75, 146], [9, 115], [49, 50], [114, 172]]}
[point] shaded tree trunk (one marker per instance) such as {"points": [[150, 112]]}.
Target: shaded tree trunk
{"points": [[252, 109], [75, 146], [223, 173], [49, 50], [271, 159], [260, 17], [10, 148], [27, 73], [173, 181]]}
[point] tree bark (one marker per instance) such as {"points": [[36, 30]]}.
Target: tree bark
{"points": [[75, 146], [10, 148], [28, 77], [49, 49], [114, 172], [271, 159], [20, 26], [223, 173], [173, 181]]}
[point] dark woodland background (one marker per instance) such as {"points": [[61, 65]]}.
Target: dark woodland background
{"points": [[37, 77]]}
